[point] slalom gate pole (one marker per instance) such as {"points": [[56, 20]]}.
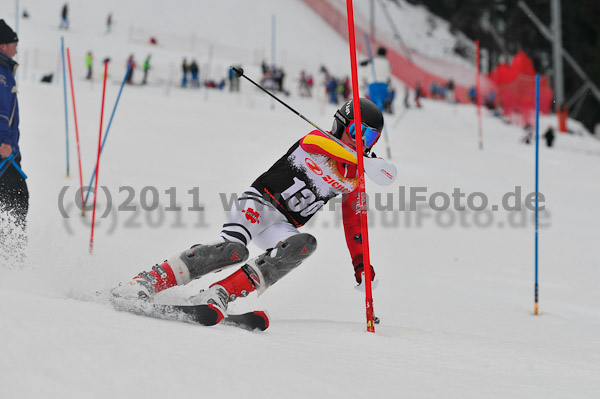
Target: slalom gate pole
{"points": [[76, 131], [362, 205], [537, 182], [107, 129], [98, 158], [370, 54], [62, 51], [478, 95]]}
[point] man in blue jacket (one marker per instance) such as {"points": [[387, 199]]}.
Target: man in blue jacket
{"points": [[14, 196]]}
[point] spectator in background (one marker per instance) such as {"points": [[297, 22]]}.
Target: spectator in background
{"points": [[347, 88], [450, 96], [14, 195], [64, 17], [130, 69], [434, 90], [303, 86], [89, 63], [234, 80], [442, 92], [389, 100], [472, 93], [264, 67], [195, 72], [278, 77], [380, 73], [109, 23], [528, 137], [406, 96], [146, 67], [331, 85], [490, 101], [549, 136], [419, 93], [185, 69]]}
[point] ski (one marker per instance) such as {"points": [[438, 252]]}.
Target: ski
{"points": [[198, 314]]}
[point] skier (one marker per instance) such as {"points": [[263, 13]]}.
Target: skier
{"points": [[89, 63], [194, 72], [549, 136], [108, 23], [313, 171], [130, 65], [146, 67], [64, 17], [185, 67]]}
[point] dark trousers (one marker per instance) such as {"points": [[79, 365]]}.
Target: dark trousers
{"points": [[14, 195], [14, 199]]}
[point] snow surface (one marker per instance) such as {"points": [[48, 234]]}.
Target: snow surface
{"points": [[455, 302]]}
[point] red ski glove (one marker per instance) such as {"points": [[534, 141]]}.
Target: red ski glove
{"points": [[358, 271]]}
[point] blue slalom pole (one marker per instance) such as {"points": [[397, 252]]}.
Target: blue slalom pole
{"points": [[537, 181], [62, 52], [106, 132]]}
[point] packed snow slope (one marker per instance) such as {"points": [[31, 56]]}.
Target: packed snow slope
{"points": [[455, 291]]}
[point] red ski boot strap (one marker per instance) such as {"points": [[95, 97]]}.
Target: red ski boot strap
{"points": [[160, 277], [237, 285]]}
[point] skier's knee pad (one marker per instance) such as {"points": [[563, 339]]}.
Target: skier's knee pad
{"points": [[268, 268], [202, 259]]}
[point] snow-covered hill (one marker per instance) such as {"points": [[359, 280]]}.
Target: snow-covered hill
{"points": [[456, 288]]}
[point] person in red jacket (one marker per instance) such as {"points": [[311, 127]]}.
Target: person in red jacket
{"points": [[285, 197]]}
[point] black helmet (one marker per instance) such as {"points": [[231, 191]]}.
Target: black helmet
{"points": [[370, 115]]}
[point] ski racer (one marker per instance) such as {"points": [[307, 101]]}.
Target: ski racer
{"points": [[313, 171]]}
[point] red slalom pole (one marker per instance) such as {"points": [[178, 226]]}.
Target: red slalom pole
{"points": [[98, 158], [362, 206], [76, 131]]}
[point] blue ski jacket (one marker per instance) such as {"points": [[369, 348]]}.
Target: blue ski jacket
{"points": [[9, 107]]}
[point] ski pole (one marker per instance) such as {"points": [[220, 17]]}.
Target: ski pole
{"points": [[400, 117], [11, 159], [240, 73], [378, 169], [5, 161]]}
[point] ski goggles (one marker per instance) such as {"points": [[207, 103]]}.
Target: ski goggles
{"points": [[369, 135]]}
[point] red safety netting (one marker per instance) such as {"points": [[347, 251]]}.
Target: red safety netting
{"points": [[515, 86], [409, 71]]}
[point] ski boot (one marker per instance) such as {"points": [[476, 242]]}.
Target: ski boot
{"points": [[258, 274], [182, 268]]}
